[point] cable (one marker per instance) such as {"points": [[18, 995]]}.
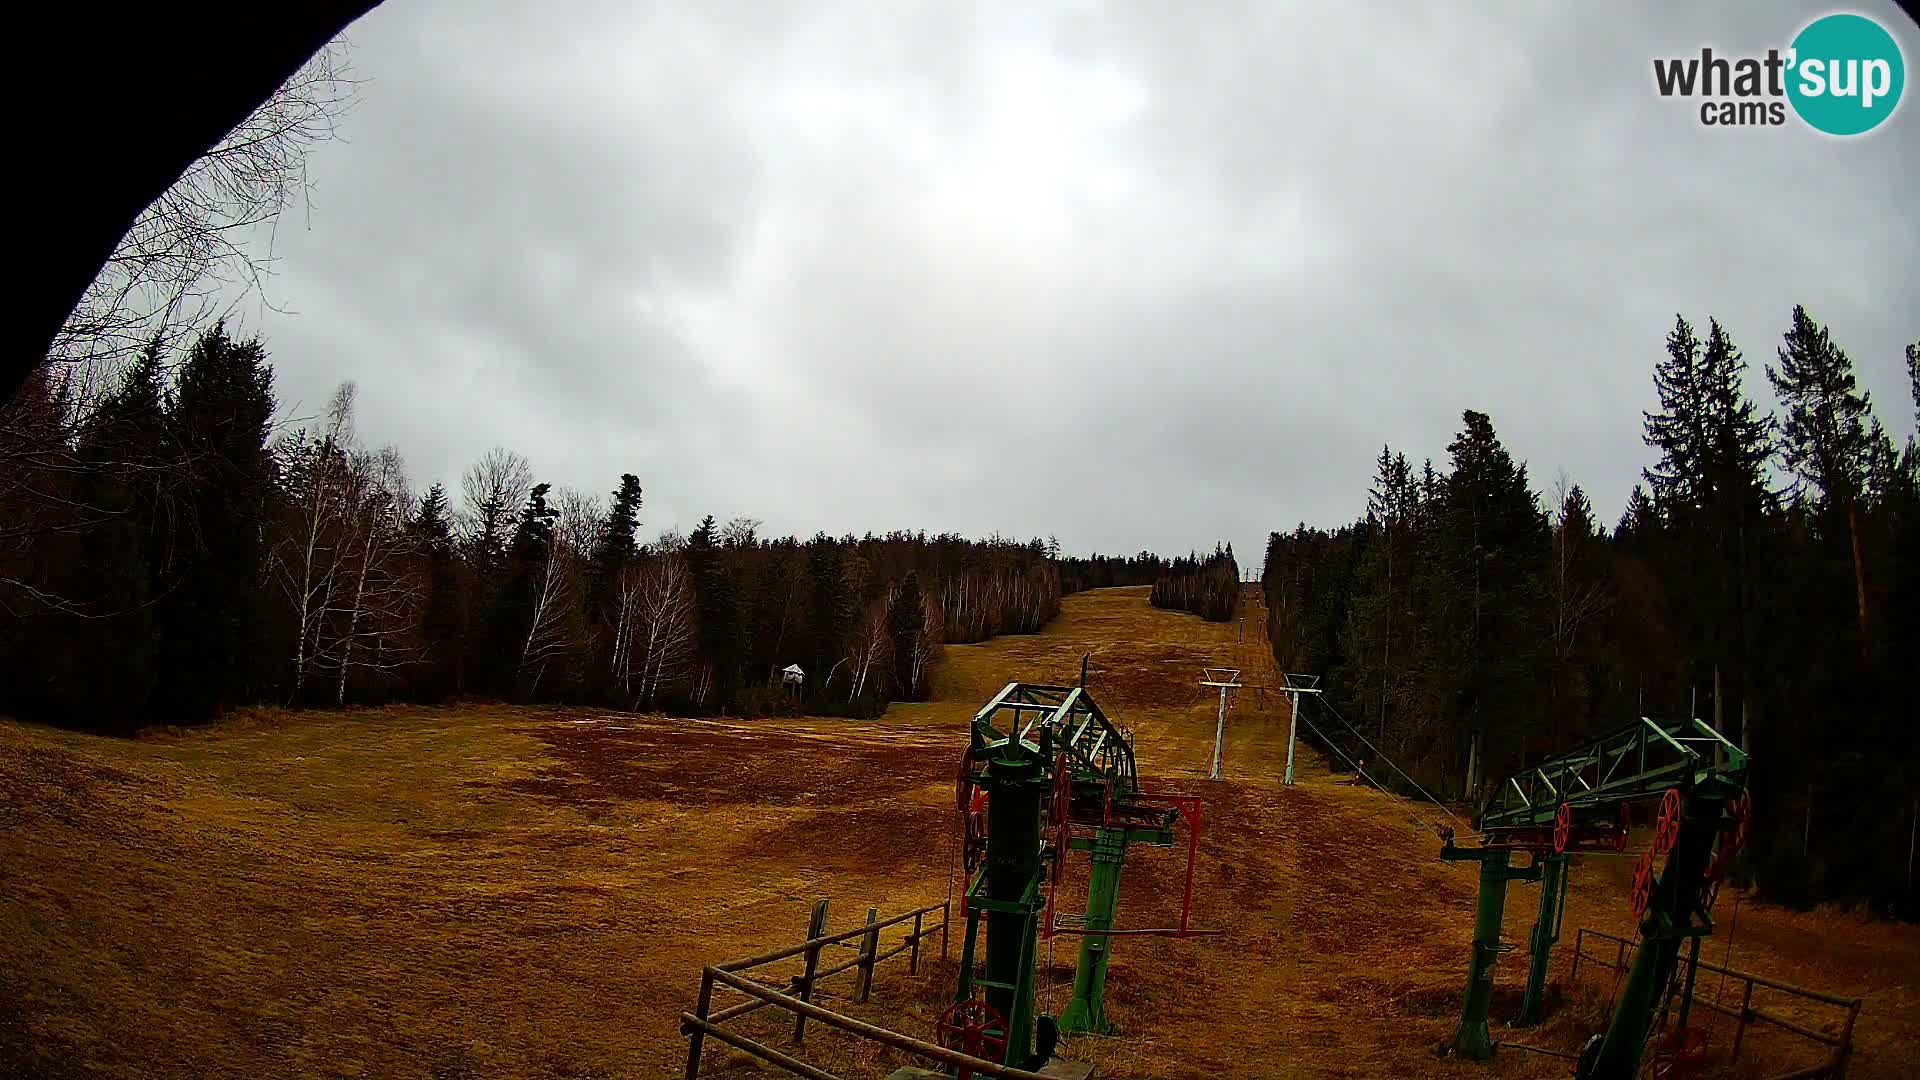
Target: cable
{"points": [[1411, 816], [1382, 755], [1538, 1050], [1613, 994], [1726, 961]]}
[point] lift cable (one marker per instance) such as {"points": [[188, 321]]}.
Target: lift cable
{"points": [[1464, 828], [1412, 815], [1733, 927]]}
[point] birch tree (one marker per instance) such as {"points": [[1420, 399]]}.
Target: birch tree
{"points": [[307, 559], [382, 609], [664, 626], [872, 645]]}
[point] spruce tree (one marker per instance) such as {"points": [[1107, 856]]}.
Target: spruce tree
{"points": [[512, 614], [1825, 440], [905, 621], [112, 571], [1710, 488], [722, 633], [440, 623], [618, 546], [1494, 539], [832, 611], [212, 617]]}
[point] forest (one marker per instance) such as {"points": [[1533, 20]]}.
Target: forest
{"points": [[168, 553], [1762, 577], [1209, 587]]}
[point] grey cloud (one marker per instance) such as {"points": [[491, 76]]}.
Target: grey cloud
{"points": [[1133, 274]]}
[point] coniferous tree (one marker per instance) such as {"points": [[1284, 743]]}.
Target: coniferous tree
{"points": [[1825, 440], [110, 576], [1492, 539], [440, 624], [515, 614], [1710, 488], [619, 545], [722, 632], [906, 621], [211, 652], [833, 610]]}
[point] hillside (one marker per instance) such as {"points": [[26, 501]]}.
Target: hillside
{"points": [[488, 891]]}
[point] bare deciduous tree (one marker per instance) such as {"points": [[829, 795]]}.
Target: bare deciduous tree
{"points": [[549, 631], [492, 491], [872, 645], [583, 521], [307, 555], [387, 597], [926, 643], [206, 243], [664, 623], [740, 532]]}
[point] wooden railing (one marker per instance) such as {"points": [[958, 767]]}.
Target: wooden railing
{"points": [[796, 996], [1840, 1043]]}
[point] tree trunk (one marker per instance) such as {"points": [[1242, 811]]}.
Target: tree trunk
{"points": [[1859, 571]]}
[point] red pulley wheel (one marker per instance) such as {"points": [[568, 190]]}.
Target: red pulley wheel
{"points": [[972, 1027], [1666, 827], [1562, 828], [1683, 1053], [1642, 895], [1741, 809], [963, 781]]}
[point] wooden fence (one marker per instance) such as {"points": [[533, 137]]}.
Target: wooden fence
{"points": [[796, 996], [1840, 1044]]}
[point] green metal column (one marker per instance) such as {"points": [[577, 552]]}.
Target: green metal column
{"points": [[1471, 1039], [1546, 931], [1087, 1011], [1015, 780], [1668, 922]]}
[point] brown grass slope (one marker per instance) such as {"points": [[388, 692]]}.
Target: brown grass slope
{"points": [[481, 892]]}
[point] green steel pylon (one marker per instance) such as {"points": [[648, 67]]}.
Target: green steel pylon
{"points": [[1673, 916], [1087, 1011], [1016, 783], [1546, 931], [1472, 1039]]}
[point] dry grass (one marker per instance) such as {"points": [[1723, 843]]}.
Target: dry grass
{"points": [[480, 892]]}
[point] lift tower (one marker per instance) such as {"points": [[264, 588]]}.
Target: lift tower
{"points": [[1578, 801], [1046, 772]]}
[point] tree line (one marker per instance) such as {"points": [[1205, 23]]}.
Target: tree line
{"points": [[1109, 571], [167, 552], [1762, 577], [1208, 587]]}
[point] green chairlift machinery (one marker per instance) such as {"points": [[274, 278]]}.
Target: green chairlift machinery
{"points": [[1578, 801], [1046, 772]]}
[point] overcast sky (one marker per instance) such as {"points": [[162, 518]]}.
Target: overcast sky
{"points": [[1137, 275]]}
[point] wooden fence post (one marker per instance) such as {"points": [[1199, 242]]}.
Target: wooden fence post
{"points": [[1579, 942], [696, 1039], [1746, 1017], [816, 927], [913, 955], [869, 948], [1844, 1051]]}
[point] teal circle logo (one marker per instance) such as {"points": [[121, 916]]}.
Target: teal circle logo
{"points": [[1846, 74]]}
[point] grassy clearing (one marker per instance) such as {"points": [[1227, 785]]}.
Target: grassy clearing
{"points": [[486, 891]]}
